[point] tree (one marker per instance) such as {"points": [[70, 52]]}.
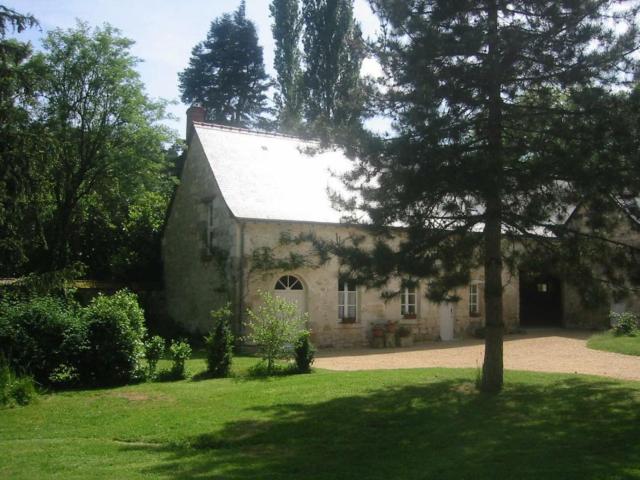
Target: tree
{"points": [[286, 28], [226, 72], [219, 343], [101, 141], [19, 84], [275, 327], [502, 125], [333, 54]]}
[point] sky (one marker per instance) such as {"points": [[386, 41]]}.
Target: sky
{"points": [[165, 31]]}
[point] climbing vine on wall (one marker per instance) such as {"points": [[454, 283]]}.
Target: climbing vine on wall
{"points": [[265, 259]]}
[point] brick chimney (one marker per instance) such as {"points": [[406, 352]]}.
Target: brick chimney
{"points": [[195, 113]]}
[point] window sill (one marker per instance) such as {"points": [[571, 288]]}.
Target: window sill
{"points": [[347, 321]]}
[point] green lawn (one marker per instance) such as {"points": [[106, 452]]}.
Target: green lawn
{"points": [[403, 424], [609, 342]]}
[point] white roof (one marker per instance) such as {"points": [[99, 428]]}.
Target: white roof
{"points": [[274, 177]]}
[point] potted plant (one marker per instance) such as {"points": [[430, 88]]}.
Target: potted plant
{"points": [[377, 336], [409, 316], [391, 327], [348, 320], [377, 331], [405, 339]]}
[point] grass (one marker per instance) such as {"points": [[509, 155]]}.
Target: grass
{"points": [[402, 424], [611, 343]]}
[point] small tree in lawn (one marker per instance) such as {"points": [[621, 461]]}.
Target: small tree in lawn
{"points": [[219, 344], [275, 327]]}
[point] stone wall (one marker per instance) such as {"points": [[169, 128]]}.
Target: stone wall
{"points": [[321, 291], [197, 278]]}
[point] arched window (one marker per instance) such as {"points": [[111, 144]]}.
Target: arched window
{"points": [[289, 282]]}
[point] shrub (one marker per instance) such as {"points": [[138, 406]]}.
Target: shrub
{"points": [[219, 344], [275, 327], [624, 324], [304, 353], [154, 349], [15, 389], [180, 352], [41, 334], [115, 333]]}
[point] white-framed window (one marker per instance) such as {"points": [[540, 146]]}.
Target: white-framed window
{"points": [[408, 301], [289, 282], [474, 299], [347, 301], [211, 231]]}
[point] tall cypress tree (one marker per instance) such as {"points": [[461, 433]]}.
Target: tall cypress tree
{"points": [[333, 54], [504, 120], [226, 72], [286, 29]]}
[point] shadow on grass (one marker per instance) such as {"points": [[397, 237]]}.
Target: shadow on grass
{"points": [[568, 429]]}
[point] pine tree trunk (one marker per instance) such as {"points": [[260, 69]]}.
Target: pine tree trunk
{"points": [[492, 370]]}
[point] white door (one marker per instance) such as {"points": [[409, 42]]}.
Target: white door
{"points": [[291, 289], [446, 321]]}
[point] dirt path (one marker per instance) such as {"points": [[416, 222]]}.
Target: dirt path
{"points": [[549, 350]]}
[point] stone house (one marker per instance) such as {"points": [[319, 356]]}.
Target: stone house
{"points": [[244, 200]]}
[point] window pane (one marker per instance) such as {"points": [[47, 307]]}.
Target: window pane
{"points": [[340, 311], [351, 298], [352, 311]]}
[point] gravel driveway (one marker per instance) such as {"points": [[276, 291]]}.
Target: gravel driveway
{"points": [[543, 350]]}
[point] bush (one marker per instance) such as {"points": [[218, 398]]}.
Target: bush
{"points": [[115, 333], [624, 324], [219, 344], [40, 336], [154, 349], [304, 353], [14, 389], [180, 352], [275, 327]]}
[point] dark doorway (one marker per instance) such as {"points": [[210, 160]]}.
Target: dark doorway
{"points": [[540, 300]]}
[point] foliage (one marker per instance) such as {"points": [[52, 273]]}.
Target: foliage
{"points": [[275, 327], [15, 389], [304, 353], [154, 350], [20, 79], [226, 72], [180, 352], [404, 331], [115, 340], [219, 343], [286, 29], [506, 114], [333, 53], [88, 176], [40, 336], [626, 324]]}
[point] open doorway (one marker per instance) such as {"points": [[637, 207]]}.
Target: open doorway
{"points": [[540, 301]]}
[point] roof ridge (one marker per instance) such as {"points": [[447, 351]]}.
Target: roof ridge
{"points": [[246, 131]]}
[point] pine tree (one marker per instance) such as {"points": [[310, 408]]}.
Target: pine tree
{"points": [[286, 29], [333, 54], [226, 72], [504, 122]]}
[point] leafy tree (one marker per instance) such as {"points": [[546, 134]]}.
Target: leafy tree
{"points": [[275, 327], [287, 28], [333, 54], [502, 118], [101, 140], [19, 85], [226, 72]]}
